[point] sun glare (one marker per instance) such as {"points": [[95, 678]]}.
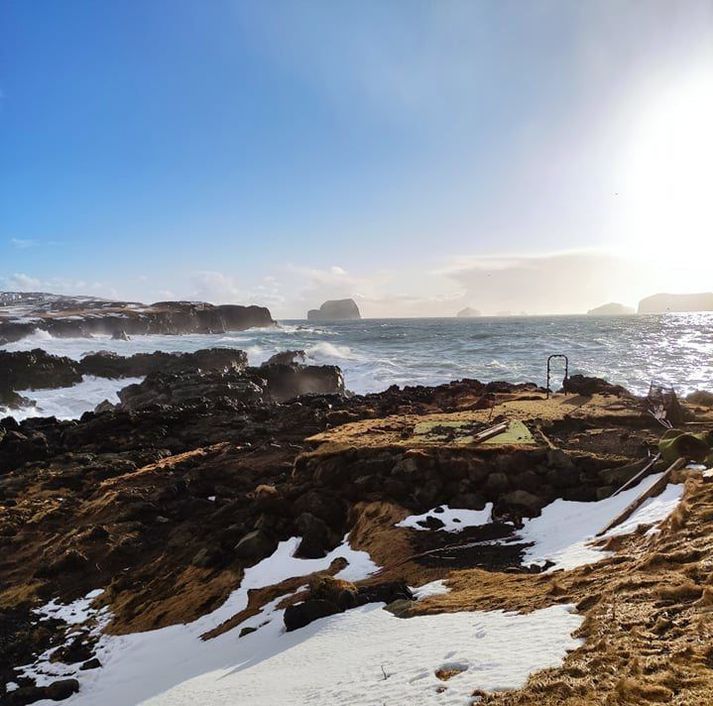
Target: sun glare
{"points": [[667, 198]]}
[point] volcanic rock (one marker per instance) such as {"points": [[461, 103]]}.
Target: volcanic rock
{"points": [[110, 365], [583, 385], [35, 369]]}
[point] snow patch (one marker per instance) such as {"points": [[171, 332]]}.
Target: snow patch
{"points": [[367, 656], [454, 519], [139, 666], [435, 588], [564, 531]]}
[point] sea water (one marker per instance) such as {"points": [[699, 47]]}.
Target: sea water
{"points": [[675, 349]]}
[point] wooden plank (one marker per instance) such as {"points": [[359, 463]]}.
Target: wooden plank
{"points": [[492, 431], [655, 489], [638, 476]]}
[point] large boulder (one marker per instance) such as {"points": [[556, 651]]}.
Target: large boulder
{"points": [[302, 614], [255, 545], [335, 310], [286, 382], [584, 385]]}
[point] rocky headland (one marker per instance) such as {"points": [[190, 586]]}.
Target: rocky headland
{"points": [[22, 313], [611, 309], [664, 303]]}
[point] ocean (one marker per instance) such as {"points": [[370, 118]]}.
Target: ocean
{"points": [[676, 349]]}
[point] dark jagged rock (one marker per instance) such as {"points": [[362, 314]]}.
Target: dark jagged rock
{"points": [[286, 382], [35, 369], [317, 538], [583, 385], [189, 387], [701, 397], [335, 310], [271, 383], [110, 365], [56, 691]]}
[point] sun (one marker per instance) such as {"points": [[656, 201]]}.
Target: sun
{"points": [[667, 193]]}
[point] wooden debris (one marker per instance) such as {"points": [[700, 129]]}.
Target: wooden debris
{"points": [[491, 431], [655, 489]]}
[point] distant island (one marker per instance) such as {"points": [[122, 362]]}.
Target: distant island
{"points": [[468, 313], [662, 303], [611, 309], [335, 310]]}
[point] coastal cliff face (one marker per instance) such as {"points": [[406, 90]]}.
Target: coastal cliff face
{"points": [[662, 303], [335, 310], [21, 313]]}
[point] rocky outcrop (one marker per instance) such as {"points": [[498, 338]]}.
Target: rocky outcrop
{"points": [[263, 385], [611, 309], [33, 370], [22, 313], [468, 313], [335, 310], [329, 596], [584, 385], [110, 365], [663, 303]]}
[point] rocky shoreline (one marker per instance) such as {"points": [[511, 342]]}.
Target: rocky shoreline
{"points": [[207, 465], [23, 313]]}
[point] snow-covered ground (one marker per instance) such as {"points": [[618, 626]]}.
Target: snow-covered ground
{"points": [[368, 656], [364, 656], [336, 660], [141, 665], [564, 532]]}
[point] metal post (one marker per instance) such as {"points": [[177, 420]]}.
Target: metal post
{"points": [[566, 370]]}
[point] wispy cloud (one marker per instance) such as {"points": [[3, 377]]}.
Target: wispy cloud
{"points": [[23, 243], [22, 282]]}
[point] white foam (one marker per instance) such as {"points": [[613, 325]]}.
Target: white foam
{"points": [[324, 350], [71, 402]]}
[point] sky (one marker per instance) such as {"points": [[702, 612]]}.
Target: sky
{"points": [[545, 156]]}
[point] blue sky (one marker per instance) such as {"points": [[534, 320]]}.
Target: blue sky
{"points": [[419, 156]]}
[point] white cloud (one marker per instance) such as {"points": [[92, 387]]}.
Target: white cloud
{"points": [[22, 282], [215, 287], [23, 243]]}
